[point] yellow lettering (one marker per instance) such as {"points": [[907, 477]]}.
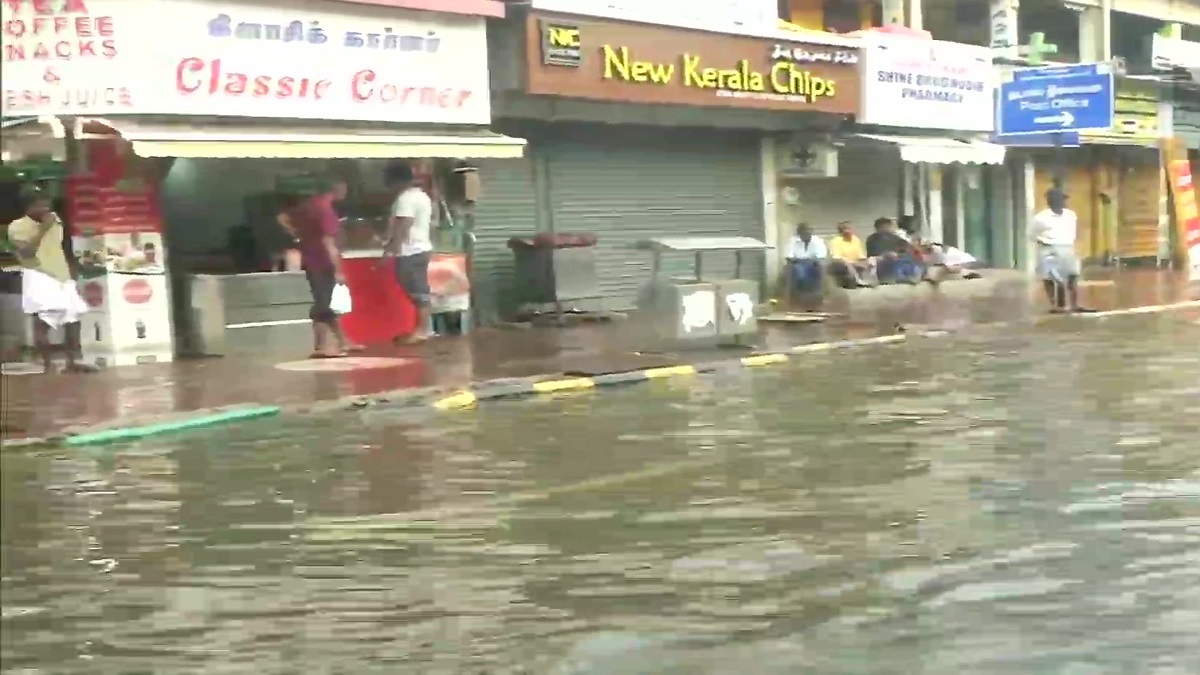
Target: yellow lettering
{"points": [[779, 81], [789, 80], [616, 60], [561, 36], [691, 76], [620, 65]]}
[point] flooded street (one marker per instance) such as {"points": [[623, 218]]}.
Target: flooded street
{"points": [[1012, 500]]}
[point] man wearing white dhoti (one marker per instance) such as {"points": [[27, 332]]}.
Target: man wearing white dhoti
{"points": [[48, 291]]}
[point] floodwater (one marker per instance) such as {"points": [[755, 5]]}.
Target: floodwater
{"points": [[1005, 501]]}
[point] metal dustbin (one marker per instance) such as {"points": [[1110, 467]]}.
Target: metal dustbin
{"points": [[555, 268], [695, 310]]}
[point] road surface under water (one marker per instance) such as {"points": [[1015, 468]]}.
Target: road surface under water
{"points": [[1005, 501]]}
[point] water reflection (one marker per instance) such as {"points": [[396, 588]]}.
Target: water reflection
{"points": [[996, 502]]}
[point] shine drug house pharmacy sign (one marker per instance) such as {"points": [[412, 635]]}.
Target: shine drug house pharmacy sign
{"points": [[311, 60], [919, 83]]}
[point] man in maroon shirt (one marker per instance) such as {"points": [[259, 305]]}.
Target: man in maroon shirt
{"points": [[315, 223]]}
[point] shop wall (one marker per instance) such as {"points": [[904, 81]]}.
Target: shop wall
{"points": [[867, 187], [202, 200], [508, 208]]}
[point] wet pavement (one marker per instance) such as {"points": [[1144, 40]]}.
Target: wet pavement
{"points": [[1010, 499], [36, 406]]}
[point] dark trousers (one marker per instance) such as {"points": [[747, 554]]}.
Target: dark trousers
{"points": [[320, 284]]}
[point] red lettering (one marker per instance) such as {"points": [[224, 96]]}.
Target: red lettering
{"points": [[42, 7], [360, 87], [74, 7], [108, 48], [363, 90], [41, 51], [14, 28], [186, 67], [14, 52], [192, 73], [62, 49], [286, 87], [83, 26], [40, 23], [60, 24], [104, 26]]}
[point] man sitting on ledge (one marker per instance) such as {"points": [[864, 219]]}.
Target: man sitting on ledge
{"points": [[896, 260], [806, 260], [849, 264]]}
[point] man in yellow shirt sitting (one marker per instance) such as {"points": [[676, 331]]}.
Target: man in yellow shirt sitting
{"points": [[849, 263], [48, 292]]}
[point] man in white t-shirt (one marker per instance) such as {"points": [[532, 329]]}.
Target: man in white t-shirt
{"points": [[410, 241], [806, 260], [1053, 231]]}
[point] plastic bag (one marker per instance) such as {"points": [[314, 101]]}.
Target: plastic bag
{"points": [[340, 301]]}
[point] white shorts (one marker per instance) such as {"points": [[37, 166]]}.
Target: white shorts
{"points": [[1057, 263], [54, 302]]}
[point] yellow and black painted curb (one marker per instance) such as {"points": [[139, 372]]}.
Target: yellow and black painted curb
{"points": [[486, 391]]}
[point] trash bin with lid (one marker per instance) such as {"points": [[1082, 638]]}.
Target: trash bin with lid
{"points": [[555, 268]]}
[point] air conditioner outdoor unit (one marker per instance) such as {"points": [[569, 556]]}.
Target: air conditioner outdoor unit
{"points": [[808, 159]]}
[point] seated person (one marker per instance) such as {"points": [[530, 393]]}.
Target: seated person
{"points": [[895, 256], [806, 260], [849, 264], [944, 262]]}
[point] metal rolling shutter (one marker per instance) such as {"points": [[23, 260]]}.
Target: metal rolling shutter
{"points": [[508, 208], [630, 184]]}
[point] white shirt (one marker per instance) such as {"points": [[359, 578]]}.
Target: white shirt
{"points": [[414, 203], [813, 250], [1054, 229]]}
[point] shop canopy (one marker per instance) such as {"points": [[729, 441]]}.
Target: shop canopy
{"points": [[927, 150], [226, 141]]}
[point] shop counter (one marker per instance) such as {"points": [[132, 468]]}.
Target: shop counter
{"points": [[381, 309]]}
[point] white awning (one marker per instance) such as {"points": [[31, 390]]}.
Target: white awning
{"points": [[221, 141], [920, 149]]}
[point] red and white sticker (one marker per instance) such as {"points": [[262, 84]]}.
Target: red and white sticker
{"points": [[137, 291]]}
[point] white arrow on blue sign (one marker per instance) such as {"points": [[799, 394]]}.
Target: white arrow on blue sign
{"points": [[1056, 99]]}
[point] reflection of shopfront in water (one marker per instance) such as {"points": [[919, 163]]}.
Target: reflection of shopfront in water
{"points": [[183, 151], [641, 131]]}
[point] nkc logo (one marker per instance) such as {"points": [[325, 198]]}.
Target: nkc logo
{"points": [[562, 45]]}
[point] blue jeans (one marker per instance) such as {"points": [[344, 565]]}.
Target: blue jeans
{"points": [[805, 275], [900, 269]]}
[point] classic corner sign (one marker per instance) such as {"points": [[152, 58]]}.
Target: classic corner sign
{"points": [[253, 59], [927, 84], [595, 59]]}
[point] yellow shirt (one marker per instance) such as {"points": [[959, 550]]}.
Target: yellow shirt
{"points": [[49, 258], [849, 250]]}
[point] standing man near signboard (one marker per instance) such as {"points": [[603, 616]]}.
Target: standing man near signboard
{"points": [[1054, 231], [48, 292]]}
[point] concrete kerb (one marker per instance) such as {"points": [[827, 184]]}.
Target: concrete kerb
{"points": [[439, 398], [533, 387]]}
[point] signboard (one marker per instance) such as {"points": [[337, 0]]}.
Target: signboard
{"points": [[1056, 99], [629, 63], [288, 59], [1170, 53], [926, 84], [739, 17], [1187, 213], [1004, 36]]}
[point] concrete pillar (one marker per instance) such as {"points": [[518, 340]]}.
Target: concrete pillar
{"points": [[933, 195], [773, 228], [916, 18], [1030, 203]]}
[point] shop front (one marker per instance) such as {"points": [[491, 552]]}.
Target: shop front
{"points": [[927, 110], [641, 131], [181, 151]]}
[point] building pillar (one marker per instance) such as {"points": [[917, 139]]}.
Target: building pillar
{"points": [[775, 232]]}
